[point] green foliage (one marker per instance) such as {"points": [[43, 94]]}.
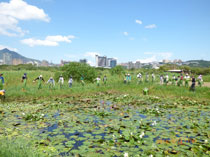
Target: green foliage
{"points": [[76, 70], [17, 148], [118, 70]]}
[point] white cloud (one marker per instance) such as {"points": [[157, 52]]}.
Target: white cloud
{"points": [[15, 10], [125, 33], [91, 54], [148, 60], [164, 55], [48, 41], [156, 56], [139, 22], [151, 26], [10, 48]]}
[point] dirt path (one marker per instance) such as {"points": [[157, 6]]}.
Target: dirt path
{"points": [[206, 84]]}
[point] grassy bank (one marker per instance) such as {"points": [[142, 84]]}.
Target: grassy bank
{"points": [[115, 84]]}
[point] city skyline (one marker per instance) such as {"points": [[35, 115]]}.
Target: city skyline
{"points": [[135, 30]]}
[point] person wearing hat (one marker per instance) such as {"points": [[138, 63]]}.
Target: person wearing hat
{"points": [[61, 81], [174, 80], [187, 79], [200, 80], [24, 80], [40, 79], [129, 78], [98, 79], [51, 82], [1, 82], [70, 81]]}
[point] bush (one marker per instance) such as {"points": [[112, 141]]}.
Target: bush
{"points": [[76, 70], [118, 70]]}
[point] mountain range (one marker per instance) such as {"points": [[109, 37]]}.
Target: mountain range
{"points": [[15, 55]]}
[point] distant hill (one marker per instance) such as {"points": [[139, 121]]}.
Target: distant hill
{"points": [[15, 55], [198, 63]]}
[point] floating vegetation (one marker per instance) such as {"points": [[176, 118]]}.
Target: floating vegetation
{"points": [[110, 125]]}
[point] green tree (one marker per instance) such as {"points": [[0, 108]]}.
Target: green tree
{"points": [[76, 70], [118, 70]]}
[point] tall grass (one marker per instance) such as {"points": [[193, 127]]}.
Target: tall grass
{"points": [[16, 148], [115, 84]]}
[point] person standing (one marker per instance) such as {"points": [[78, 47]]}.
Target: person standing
{"points": [[40, 80], [51, 82], [161, 79], [147, 78], [166, 79], [61, 81], [174, 80], [153, 77], [200, 80], [70, 82], [98, 79], [24, 80], [187, 79], [105, 79], [192, 88], [1, 82], [139, 77], [129, 78], [181, 80], [125, 79], [82, 80]]}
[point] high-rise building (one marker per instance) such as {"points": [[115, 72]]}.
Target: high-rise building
{"points": [[101, 61], [111, 62], [137, 65], [131, 65], [83, 61], [7, 58]]}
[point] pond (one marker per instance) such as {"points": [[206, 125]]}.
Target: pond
{"points": [[111, 125]]}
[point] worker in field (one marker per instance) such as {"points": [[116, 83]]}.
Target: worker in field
{"points": [[129, 78], [147, 78], [192, 88], [40, 80], [139, 77], [51, 83], [70, 81], [98, 79], [105, 80], [125, 79], [61, 81], [24, 80], [173, 80], [187, 79], [161, 79], [200, 80], [181, 80], [82, 80], [153, 77], [1, 82], [166, 79]]}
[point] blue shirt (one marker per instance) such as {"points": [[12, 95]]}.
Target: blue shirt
{"points": [[2, 79]]}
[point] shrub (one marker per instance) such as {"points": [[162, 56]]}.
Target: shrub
{"points": [[76, 70]]}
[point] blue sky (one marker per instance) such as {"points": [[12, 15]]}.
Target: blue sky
{"points": [[129, 30]]}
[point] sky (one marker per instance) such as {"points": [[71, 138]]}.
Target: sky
{"points": [[128, 30]]}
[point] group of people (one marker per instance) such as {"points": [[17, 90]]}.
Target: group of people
{"points": [[50, 82], [181, 80]]}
